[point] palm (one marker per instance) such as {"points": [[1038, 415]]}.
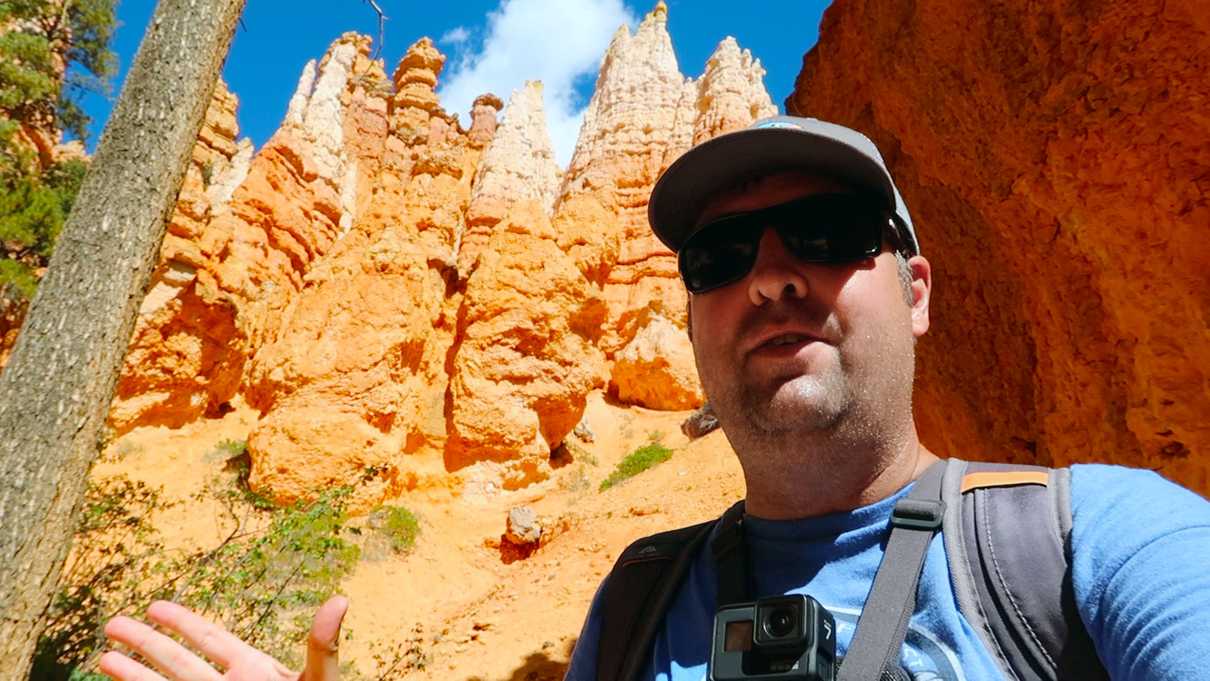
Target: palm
{"points": [[240, 661]]}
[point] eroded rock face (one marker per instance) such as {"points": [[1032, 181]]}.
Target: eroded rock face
{"points": [[730, 94], [178, 365], [355, 378], [1057, 173], [245, 233], [526, 360], [656, 369], [519, 165], [417, 304], [624, 144], [642, 116], [525, 356]]}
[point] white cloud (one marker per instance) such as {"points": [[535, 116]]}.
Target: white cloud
{"points": [[554, 41], [455, 36]]}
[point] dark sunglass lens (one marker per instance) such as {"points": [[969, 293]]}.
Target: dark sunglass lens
{"points": [[718, 254], [832, 229]]}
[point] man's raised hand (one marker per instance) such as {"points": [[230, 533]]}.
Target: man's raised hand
{"points": [[239, 661]]}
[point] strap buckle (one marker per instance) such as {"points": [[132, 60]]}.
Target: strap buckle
{"points": [[918, 514]]}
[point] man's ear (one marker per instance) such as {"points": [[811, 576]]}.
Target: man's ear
{"points": [[922, 287]]}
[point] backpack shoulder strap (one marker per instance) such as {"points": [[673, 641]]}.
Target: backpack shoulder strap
{"points": [[875, 647], [637, 593], [1007, 537]]}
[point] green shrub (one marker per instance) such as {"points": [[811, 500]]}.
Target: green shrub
{"points": [[255, 586], [262, 583], [33, 209], [636, 462], [237, 461], [400, 526], [51, 54], [107, 572], [228, 449]]}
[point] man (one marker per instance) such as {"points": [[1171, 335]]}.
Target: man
{"points": [[807, 293], [809, 368]]}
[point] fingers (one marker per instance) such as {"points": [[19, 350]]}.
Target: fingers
{"points": [[322, 664], [161, 651], [118, 666], [211, 639]]}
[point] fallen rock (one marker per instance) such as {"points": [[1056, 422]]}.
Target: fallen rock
{"points": [[523, 526], [583, 432], [701, 422]]}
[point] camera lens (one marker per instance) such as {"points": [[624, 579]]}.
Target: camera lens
{"points": [[780, 623]]}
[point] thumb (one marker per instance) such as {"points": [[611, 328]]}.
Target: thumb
{"points": [[323, 641]]}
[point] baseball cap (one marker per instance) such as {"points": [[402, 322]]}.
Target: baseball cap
{"points": [[768, 145]]}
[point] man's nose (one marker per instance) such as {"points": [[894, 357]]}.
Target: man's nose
{"points": [[776, 272]]}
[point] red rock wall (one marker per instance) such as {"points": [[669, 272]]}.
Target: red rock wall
{"points": [[1056, 160], [398, 294]]}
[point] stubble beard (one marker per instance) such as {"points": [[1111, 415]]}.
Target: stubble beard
{"points": [[832, 405], [801, 404]]}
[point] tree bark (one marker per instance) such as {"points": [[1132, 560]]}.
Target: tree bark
{"points": [[57, 387]]}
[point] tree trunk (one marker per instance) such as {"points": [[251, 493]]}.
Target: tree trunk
{"points": [[56, 389]]}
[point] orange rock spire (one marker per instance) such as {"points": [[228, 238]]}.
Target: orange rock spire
{"points": [[396, 293], [643, 115]]}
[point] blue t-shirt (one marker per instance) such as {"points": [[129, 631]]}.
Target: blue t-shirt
{"points": [[1140, 571]]}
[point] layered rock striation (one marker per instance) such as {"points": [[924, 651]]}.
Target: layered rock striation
{"points": [[354, 380], [642, 116], [1057, 163], [178, 358], [413, 303], [239, 254], [525, 356]]}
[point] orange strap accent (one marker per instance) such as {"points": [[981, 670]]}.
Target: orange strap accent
{"points": [[972, 481]]}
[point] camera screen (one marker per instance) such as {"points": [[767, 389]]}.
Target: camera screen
{"points": [[738, 637]]}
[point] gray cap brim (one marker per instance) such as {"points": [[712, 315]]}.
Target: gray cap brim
{"points": [[730, 159]]}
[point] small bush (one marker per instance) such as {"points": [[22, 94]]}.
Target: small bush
{"points": [[262, 583], [636, 462], [264, 589], [399, 525], [235, 457], [229, 449]]}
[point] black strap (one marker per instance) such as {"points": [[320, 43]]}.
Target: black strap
{"points": [[731, 558], [637, 594], [884, 618]]}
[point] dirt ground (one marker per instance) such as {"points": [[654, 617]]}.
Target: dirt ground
{"points": [[464, 606]]}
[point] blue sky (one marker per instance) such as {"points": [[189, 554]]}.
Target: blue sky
{"points": [[557, 41]]}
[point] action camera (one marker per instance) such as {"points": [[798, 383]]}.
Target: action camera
{"points": [[782, 637]]}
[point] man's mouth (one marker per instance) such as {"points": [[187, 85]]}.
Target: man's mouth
{"points": [[782, 345], [786, 339]]}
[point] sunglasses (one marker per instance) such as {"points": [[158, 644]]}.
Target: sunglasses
{"points": [[821, 228]]}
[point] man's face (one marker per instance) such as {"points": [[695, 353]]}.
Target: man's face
{"points": [[796, 345]]}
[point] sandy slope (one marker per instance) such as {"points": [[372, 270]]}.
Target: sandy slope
{"points": [[457, 601]]}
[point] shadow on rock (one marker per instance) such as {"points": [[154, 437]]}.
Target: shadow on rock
{"points": [[538, 666]]}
